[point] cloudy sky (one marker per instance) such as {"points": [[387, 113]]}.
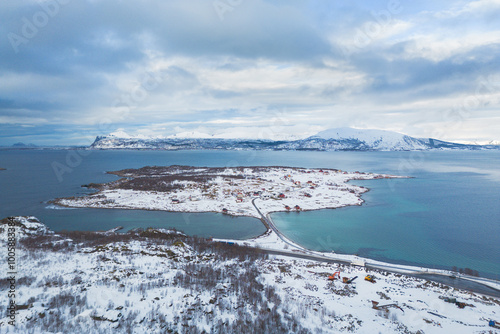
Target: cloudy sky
{"points": [[74, 69]]}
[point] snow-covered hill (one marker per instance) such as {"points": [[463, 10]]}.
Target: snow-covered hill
{"points": [[157, 281], [341, 139], [373, 139]]}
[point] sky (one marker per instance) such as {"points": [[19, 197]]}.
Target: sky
{"points": [[73, 70]]}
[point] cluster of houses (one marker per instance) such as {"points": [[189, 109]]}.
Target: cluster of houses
{"points": [[297, 208], [231, 189], [176, 200], [267, 195], [263, 194]]}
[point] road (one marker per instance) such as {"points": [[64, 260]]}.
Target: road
{"points": [[455, 282], [269, 225]]}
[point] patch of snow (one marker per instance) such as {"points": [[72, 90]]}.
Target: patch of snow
{"points": [[142, 287]]}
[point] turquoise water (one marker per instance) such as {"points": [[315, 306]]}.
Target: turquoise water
{"points": [[30, 182], [447, 215], [398, 226]]}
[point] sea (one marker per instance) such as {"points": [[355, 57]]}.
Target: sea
{"points": [[445, 215]]}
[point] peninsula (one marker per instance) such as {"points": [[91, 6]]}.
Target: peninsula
{"points": [[229, 190]]}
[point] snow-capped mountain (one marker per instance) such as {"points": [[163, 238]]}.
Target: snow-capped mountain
{"points": [[357, 139], [374, 139], [341, 139], [349, 139]]}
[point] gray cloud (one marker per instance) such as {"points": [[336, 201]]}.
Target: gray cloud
{"points": [[420, 77], [258, 55]]}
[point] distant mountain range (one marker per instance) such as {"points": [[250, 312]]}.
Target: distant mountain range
{"points": [[341, 139], [23, 145]]}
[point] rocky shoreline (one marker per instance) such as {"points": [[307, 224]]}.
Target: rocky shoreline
{"points": [[228, 190]]}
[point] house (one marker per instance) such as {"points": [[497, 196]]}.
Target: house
{"points": [[224, 210], [239, 200], [287, 208], [175, 201], [281, 195], [297, 208]]}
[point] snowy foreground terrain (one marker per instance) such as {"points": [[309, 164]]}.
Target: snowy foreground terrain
{"points": [[229, 190], [159, 281]]}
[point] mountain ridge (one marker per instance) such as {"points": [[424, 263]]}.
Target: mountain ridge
{"points": [[337, 139]]}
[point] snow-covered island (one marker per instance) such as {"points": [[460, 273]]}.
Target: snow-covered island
{"points": [[160, 281], [238, 191]]}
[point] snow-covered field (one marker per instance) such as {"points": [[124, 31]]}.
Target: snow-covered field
{"points": [[231, 190], [164, 282]]}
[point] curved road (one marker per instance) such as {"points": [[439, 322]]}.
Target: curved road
{"points": [[269, 224], [455, 282]]}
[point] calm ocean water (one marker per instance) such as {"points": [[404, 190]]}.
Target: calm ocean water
{"points": [[447, 215]]}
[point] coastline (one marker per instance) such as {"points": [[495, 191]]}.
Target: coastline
{"points": [[123, 279], [275, 241], [266, 207], [228, 190]]}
